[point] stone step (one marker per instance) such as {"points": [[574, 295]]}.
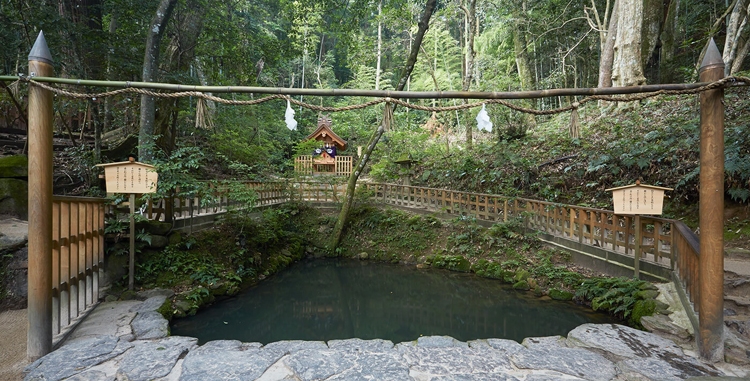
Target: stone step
{"points": [[736, 305], [736, 284], [739, 324]]}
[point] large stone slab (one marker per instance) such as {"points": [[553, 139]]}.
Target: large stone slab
{"points": [[505, 345], [228, 360], [630, 347], [91, 375], [439, 341], [151, 304], [375, 345], [291, 346], [618, 342], [74, 358], [150, 325], [149, 360], [373, 366], [672, 369], [109, 318], [572, 361], [313, 364], [427, 363]]}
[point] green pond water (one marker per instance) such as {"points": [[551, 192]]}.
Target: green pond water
{"points": [[341, 299]]}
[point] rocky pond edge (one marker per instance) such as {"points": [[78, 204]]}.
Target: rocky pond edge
{"points": [[129, 340]]}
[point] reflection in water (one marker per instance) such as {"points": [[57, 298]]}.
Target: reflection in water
{"points": [[341, 299]]}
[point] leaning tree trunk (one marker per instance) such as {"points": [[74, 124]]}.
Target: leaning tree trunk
{"points": [[338, 229], [150, 65], [627, 69]]}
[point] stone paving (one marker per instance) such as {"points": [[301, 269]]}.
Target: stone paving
{"points": [[134, 346]]}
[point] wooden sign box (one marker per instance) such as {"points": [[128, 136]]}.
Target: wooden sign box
{"points": [[130, 177], [638, 199]]}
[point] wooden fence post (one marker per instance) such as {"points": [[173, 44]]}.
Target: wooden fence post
{"points": [[39, 337], [711, 274]]}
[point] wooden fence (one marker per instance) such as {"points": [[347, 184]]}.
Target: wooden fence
{"points": [[218, 200], [303, 165], [659, 241], [343, 165], [77, 257]]}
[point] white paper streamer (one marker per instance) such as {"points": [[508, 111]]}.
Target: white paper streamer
{"points": [[483, 120], [289, 117]]}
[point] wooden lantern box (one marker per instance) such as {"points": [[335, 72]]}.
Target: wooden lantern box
{"points": [[638, 199], [130, 177]]}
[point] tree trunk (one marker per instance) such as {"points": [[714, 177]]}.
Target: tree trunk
{"points": [[380, 44], [627, 69], [608, 51], [741, 54], [108, 115], [521, 50], [666, 62], [470, 24], [150, 66], [338, 229], [653, 15], [737, 21]]}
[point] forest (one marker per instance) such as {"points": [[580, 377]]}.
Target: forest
{"points": [[446, 45]]}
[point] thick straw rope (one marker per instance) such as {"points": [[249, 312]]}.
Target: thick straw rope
{"points": [[722, 83]]}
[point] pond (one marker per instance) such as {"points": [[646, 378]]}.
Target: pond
{"points": [[340, 299]]}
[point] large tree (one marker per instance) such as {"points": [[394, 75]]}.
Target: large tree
{"points": [[150, 65], [627, 68]]}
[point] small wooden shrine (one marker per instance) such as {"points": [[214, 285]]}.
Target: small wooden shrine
{"points": [[325, 159]]}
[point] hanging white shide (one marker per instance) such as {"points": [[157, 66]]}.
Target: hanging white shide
{"points": [[483, 120], [289, 117]]}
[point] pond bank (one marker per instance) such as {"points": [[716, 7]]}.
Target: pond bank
{"points": [[128, 340]]}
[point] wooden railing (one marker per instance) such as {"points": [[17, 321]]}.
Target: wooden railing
{"points": [[77, 257], [589, 226], [219, 200]]}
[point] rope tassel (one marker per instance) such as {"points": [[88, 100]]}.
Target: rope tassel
{"points": [[574, 124], [203, 115]]}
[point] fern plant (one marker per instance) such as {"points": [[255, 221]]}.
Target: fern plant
{"points": [[614, 295]]}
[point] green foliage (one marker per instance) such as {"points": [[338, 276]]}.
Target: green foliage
{"points": [[450, 262], [466, 237], [81, 160], [614, 295], [389, 230]]}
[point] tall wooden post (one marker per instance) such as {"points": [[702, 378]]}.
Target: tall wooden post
{"points": [[131, 263], [39, 340], [710, 337]]}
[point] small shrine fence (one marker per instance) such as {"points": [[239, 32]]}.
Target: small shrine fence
{"points": [[304, 165]]}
